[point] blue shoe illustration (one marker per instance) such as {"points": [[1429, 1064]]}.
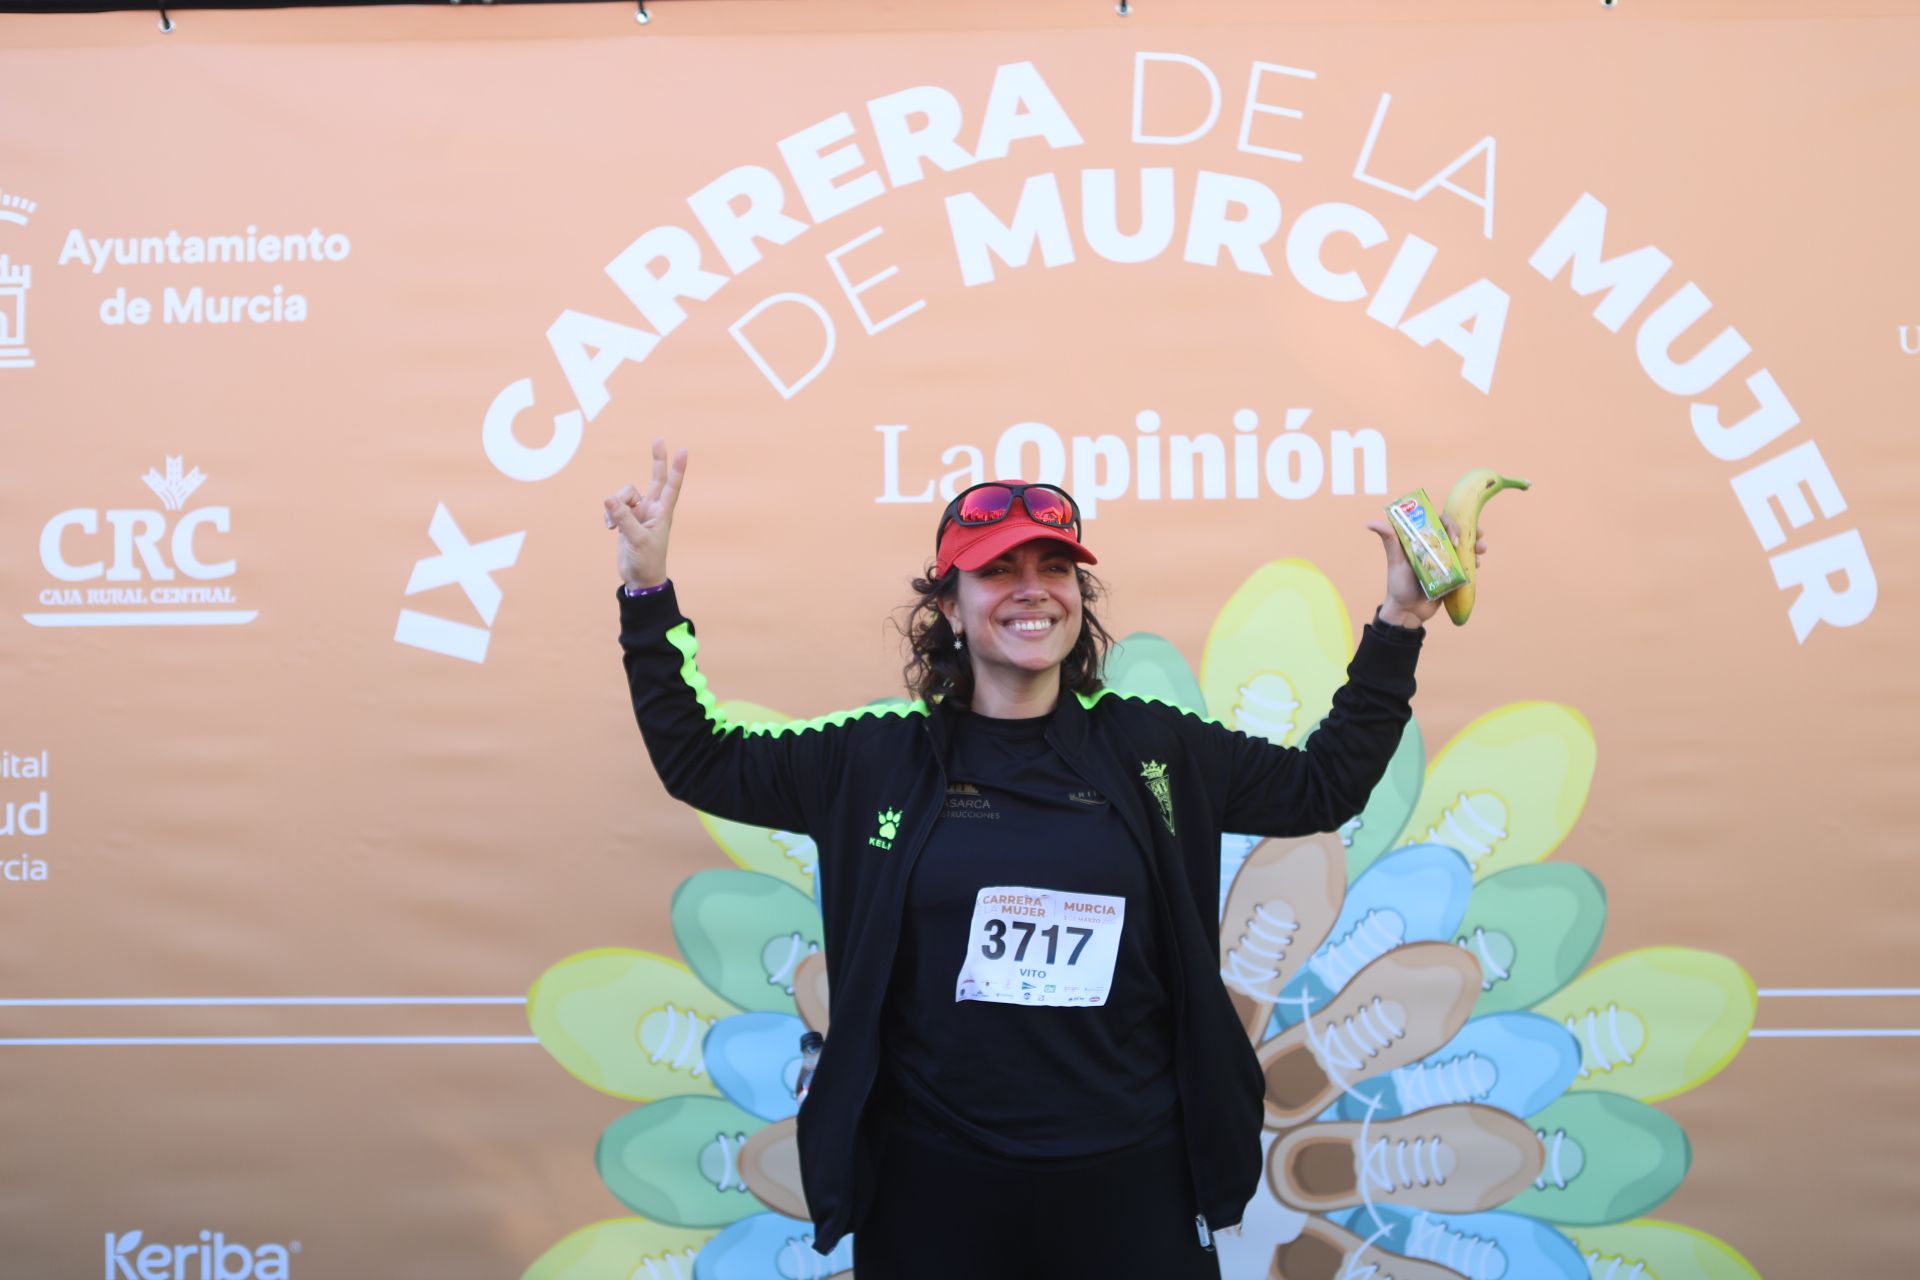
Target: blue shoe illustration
{"points": [[1518, 1062], [1415, 894], [754, 1058], [766, 1246], [1480, 1246]]}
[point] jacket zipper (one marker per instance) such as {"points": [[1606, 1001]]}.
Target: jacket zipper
{"points": [[1175, 992], [913, 856]]}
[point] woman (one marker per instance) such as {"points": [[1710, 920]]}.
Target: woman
{"points": [[1033, 1067]]}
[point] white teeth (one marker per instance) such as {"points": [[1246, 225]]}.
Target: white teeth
{"points": [[1035, 625]]}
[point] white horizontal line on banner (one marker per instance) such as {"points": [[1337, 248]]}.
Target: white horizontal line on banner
{"points": [[1840, 991], [123, 1041], [1819, 1033], [158, 618], [180, 1002]]}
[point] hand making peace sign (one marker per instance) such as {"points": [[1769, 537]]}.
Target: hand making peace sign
{"points": [[644, 520]]}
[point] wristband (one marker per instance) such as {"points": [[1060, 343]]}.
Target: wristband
{"points": [[634, 593]]}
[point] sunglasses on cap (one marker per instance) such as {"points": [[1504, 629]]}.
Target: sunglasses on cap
{"points": [[994, 501]]}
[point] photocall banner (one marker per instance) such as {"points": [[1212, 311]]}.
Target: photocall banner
{"points": [[344, 928]]}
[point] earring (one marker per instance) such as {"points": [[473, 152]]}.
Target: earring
{"points": [[959, 643]]}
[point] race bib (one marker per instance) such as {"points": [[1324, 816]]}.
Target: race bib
{"points": [[1041, 946]]}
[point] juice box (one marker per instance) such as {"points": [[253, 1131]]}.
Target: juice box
{"points": [[1427, 545]]}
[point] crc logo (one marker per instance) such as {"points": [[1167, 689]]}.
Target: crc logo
{"points": [[149, 562], [212, 1257]]}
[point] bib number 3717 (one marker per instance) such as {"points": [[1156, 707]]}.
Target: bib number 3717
{"points": [[1041, 946]]}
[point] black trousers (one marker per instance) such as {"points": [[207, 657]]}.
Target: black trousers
{"points": [[946, 1210]]}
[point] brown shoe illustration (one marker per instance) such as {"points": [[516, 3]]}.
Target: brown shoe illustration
{"points": [[810, 991], [1326, 1252], [1396, 1011], [1456, 1159], [1284, 901], [770, 1166]]}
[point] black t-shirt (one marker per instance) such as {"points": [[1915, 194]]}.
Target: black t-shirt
{"points": [[1023, 1080]]}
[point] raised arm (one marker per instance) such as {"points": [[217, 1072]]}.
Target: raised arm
{"points": [[764, 775], [1286, 792]]}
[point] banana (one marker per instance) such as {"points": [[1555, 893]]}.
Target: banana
{"points": [[1470, 494]]}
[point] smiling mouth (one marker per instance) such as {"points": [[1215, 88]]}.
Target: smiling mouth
{"points": [[1030, 626]]}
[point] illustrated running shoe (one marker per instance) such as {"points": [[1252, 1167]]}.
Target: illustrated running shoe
{"points": [[628, 1023], [622, 1249], [1458, 1159], [1608, 1158], [754, 1058], [810, 991], [1507, 789], [1146, 666], [770, 1166], [1264, 1225], [1648, 1249], [1324, 1251], [1235, 848], [1533, 928], [770, 1246], [1282, 903], [1656, 1022], [1410, 895], [1479, 1246], [1395, 1011], [678, 1161], [791, 856], [744, 933], [1276, 653], [1518, 1062]]}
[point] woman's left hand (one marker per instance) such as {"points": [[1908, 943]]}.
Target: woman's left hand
{"points": [[1406, 604]]}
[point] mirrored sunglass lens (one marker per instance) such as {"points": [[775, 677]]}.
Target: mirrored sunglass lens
{"points": [[1049, 508], [984, 505]]}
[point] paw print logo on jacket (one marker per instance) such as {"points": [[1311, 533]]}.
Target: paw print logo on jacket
{"points": [[889, 827]]}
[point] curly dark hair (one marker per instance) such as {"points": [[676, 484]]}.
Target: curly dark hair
{"points": [[935, 669]]}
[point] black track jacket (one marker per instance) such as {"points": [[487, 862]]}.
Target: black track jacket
{"points": [[1177, 780]]}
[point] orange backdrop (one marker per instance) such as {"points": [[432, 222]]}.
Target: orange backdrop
{"points": [[322, 334]]}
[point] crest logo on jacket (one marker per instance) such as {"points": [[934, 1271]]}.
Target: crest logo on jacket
{"points": [[1156, 775], [887, 827]]}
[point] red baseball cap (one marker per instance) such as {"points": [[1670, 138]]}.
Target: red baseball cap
{"points": [[972, 545]]}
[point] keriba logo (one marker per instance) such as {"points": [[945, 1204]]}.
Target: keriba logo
{"points": [[212, 1257]]}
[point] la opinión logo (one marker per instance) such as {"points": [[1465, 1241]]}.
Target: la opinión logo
{"points": [[212, 1257]]}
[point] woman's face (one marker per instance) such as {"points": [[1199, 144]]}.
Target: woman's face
{"points": [[1019, 614]]}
